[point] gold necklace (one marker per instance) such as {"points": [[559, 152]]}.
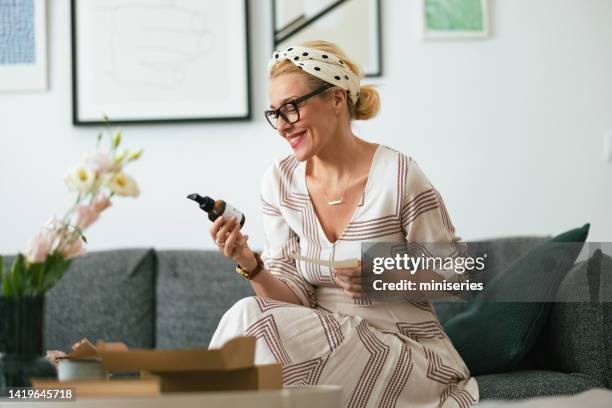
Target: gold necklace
{"points": [[334, 202], [338, 201]]}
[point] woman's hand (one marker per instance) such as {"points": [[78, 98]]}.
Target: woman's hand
{"points": [[53, 356], [230, 241], [349, 279]]}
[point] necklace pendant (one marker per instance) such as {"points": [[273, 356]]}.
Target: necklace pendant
{"points": [[335, 202]]}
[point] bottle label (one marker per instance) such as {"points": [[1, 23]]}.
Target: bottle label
{"points": [[230, 212]]}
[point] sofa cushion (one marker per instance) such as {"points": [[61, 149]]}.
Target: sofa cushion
{"points": [[107, 295], [578, 335], [532, 383], [494, 336], [500, 253], [194, 289]]}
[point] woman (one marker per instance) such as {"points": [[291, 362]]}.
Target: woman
{"points": [[333, 192]]}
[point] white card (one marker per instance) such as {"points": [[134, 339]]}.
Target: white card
{"points": [[347, 263]]}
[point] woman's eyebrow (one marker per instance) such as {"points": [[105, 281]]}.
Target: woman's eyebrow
{"points": [[283, 101]]}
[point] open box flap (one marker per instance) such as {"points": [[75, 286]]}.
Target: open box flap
{"points": [[84, 350], [237, 353]]}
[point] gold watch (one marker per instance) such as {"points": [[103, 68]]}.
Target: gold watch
{"points": [[250, 275]]}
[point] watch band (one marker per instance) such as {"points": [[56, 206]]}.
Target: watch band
{"points": [[250, 275]]}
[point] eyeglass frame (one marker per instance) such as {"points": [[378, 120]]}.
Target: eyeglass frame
{"points": [[294, 102]]}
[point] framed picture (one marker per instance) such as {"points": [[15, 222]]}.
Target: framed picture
{"points": [[449, 19], [160, 61], [354, 25], [23, 45]]}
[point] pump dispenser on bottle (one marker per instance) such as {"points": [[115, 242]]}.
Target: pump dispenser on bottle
{"points": [[217, 208]]}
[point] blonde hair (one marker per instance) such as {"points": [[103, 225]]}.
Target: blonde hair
{"points": [[367, 105]]}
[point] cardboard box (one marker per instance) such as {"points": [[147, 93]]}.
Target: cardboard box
{"points": [[261, 377], [230, 367], [99, 388], [84, 350], [237, 353]]}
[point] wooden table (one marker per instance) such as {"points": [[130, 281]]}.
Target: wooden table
{"points": [[595, 398], [320, 396]]}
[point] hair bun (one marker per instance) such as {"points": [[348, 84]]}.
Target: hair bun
{"points": [[368, 104]]}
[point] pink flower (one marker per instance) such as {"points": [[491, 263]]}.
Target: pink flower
{"points": [[99, 162], [53, 223], [101, 203], [74, 250], [86, 215], [40, 246]]}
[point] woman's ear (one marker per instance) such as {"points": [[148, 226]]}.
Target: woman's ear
{"points": [[339, 99]]}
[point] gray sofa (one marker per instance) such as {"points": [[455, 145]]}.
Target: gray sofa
{"points": [[174, 298]]}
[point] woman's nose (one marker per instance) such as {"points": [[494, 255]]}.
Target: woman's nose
{"points": [[282, 125]]}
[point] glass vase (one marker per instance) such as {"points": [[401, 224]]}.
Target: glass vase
{"points": [[21, 342]]}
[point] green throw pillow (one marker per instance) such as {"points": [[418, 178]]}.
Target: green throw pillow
{"points": [[493, 336]]}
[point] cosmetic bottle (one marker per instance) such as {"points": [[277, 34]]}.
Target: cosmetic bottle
{"points": [[217, 208]]}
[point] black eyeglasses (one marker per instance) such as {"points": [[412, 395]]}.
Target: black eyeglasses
{"points": [[289, 110]]}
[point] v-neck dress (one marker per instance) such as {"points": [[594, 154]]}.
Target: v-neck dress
{"points": [[383, 353]]}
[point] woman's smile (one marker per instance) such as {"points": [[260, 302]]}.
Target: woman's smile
{"points": [[295, 138]]}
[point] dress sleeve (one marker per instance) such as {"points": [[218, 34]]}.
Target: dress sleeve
{"points": [[425, 220], [281, 241]]}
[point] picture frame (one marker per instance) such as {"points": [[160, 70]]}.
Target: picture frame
{"points": [[350, 24], [23, 55], [455, 19], [165, 62]]}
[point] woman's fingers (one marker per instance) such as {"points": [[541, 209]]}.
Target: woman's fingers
{"points": [[350, 272], [349, 279], [355, 293], [351, 288], [242, 240], [231, 241], [54, 355], [215, 227], [354, 279], [225, 230]]}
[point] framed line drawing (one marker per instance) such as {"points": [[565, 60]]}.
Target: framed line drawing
{"points": [[354, 25], [23, 45], [160, 61], [455, 19]]}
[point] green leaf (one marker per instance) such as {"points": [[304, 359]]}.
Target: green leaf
{"points": [[36, 272], [55, 267], [26, 280], [7, 289], [17, 275], [83, 238], [5, 283], [1, 274]]}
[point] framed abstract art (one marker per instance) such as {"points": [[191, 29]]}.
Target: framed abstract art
{"points": [[354, 25], [455, 19], [23, 45], [160, 61]]}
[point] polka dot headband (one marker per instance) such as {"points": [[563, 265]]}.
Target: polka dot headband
{"points": [[321, 64]]}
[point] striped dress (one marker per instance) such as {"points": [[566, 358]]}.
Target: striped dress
{"points": [[383, 353]]}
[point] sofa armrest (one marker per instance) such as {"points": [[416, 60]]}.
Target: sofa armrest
{"points": [[578, 336], [532, 383]]}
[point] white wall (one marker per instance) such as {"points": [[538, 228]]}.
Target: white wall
{"points": [[510, 130]]}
